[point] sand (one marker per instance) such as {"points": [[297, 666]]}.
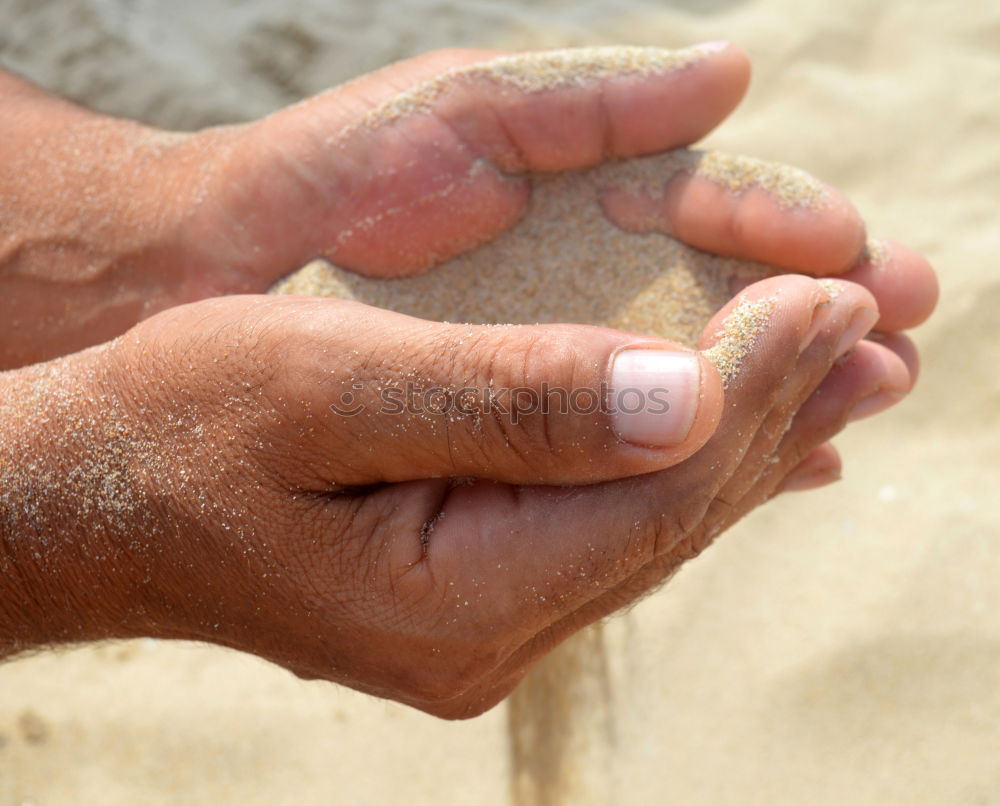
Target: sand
{"points": [[566, 261], [837, 647]]}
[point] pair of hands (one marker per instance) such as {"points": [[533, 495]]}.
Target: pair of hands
{"points": [[190, 480]]}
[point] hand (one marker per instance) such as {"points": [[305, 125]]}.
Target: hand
{"points": [[104, 222], [190, 480]]}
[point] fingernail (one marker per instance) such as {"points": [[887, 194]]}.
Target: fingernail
{"points": [[873, 404], [714, 46], [654, 396], [821, 316], [864, 320]]}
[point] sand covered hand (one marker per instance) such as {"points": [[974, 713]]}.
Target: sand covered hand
{"points": [[224, 472], [105, 221]]}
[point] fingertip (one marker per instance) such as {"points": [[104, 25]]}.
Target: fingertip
{"points": [[870, 368], [735, 62], [731, 68], [903, 281], [821, 467], [838, 236], [631, 114], [728, 59], [904, 347]]}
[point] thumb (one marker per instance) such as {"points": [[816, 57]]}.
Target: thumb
{"points": [[543, 404], [399, 170]]}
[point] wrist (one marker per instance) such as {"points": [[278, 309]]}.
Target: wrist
{"points": [[66, 509], [90, 211]]}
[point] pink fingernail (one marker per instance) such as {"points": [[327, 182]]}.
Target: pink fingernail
{"points": [[862, 323], [873, 404], [654, 396]]}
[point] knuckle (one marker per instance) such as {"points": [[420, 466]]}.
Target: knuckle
{"points": [[512, 394], [538, 370]]}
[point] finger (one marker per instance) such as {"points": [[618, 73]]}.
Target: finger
{"points": [[870, 372], [869, 379], [403, 398], [745, 208], [575, 108], [902, 281], [822, 466], [392, 183], [903, 346], [887, 377], [837, 328]]}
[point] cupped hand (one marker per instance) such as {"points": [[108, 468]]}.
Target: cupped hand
{"points": [[385, 175], [349, 492]]}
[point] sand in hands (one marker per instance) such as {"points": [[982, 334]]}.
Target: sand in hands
{"points": [[566, 261]]}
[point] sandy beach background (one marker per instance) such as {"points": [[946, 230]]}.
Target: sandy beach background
{"points": [[837, 647]]}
